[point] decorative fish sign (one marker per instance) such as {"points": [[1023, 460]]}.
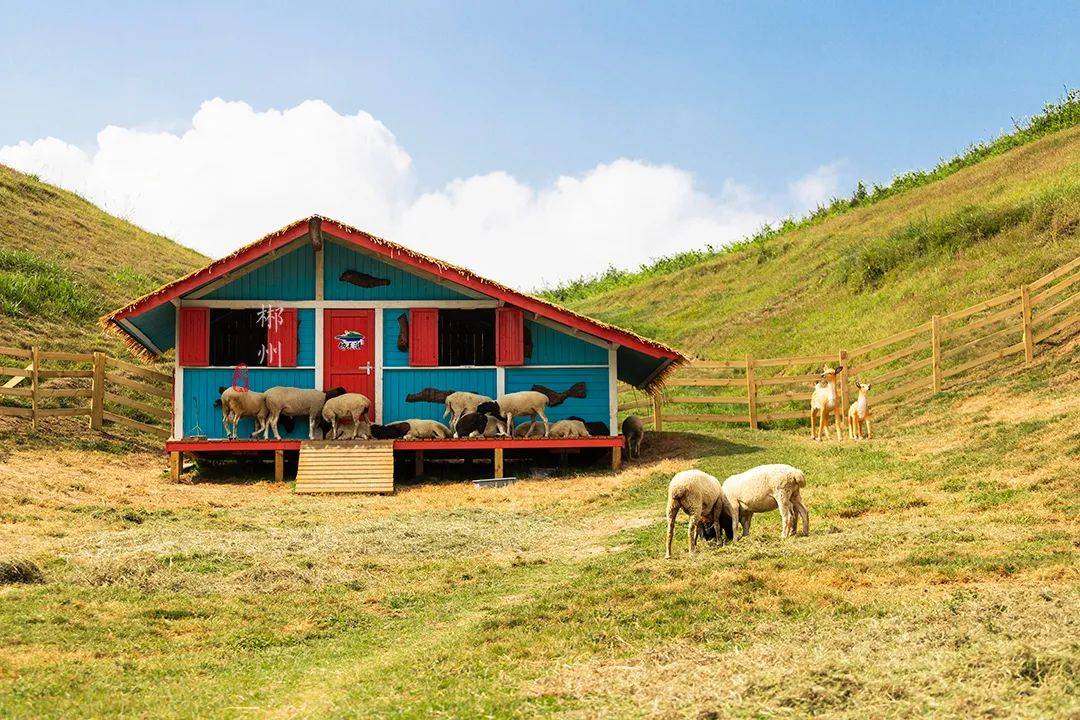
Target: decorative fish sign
{"points": [[355, 277]]}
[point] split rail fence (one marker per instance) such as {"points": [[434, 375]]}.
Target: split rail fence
{"points": [[908, 366], [47, 384]]}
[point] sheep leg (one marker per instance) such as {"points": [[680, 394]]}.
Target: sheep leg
{"points": [[744, 517], [801, 512], [311, 427], [783, 505], [274, 423], [734, 522], [691, 535], [544, 418], [355, 424], [673, 511]]}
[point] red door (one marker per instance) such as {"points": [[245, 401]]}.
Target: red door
{"points": [[349, 352]]}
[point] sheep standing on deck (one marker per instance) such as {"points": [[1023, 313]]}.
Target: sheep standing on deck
{"points": [[859, 413], [237, 403], [824, 402], [459, 403], [700, 496], [297, 402], [763, 489], [634, 432], [350, 405], [526, 402]]}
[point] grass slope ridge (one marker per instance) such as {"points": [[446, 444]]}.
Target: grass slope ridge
{"points": [[872, 271], [64, 262], [1055, 116]]}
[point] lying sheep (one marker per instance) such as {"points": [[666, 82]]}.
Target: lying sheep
{"points": [[765, 488], [700, 496], [595, 427], [525, 430], [568, 429], [426, 430], [479, 425], [392, 431], [350, 405], [633, 429], [237, 403], [297, 402]]}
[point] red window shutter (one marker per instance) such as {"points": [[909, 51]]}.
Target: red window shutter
{"points": [[509, 336], [194, 347], [423, 337], [282, 339]]}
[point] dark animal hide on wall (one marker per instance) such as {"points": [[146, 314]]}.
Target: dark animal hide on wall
{"points": [[576, 390], [403, 332], [431, 395], [363, 280]]}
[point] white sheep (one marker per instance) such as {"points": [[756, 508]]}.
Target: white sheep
{"points": [[525, 430], [859, 413], [824, 402], [700, 496], [568, 429], [461, 402], [350, 405], [296, 402], [426, 429], [526, 402], [237, 403], [763, 489]]}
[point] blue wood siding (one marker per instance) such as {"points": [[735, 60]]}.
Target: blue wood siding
{"points": [[593, 407], [290, 277], [392, 357], [201, 390], [551, 347], [403, 285], [399, 383], [159, 325], [305, 352]]}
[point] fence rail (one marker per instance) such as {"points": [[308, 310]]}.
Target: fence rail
{"points": [[903, 367], [118, 392]]}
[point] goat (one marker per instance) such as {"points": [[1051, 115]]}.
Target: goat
{"points": [[824, 402]]}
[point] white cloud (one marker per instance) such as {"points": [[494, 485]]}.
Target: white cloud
{"points": [[817, 187], [238, 173]]}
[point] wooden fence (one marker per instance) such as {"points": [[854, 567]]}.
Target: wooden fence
{"points": [[102, 388], [904, 367]]}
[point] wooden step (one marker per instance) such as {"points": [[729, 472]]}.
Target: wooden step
{"points": [[346, 466]]}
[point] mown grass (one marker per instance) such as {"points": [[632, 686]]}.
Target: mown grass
{"points": [[939, 579]]}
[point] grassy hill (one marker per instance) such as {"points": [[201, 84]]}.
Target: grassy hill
{"points": [[865, 272], [64, 262]]}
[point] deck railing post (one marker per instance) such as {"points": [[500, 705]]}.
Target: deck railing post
{"points": [[657, 418], [35, 363], [97, 392], [1025, 316], [935, 348], [751, 392], [845, 377]]}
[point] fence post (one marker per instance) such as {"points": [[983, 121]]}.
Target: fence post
{"points": [[657, 418], [935, 344], [35, 362], [841, 411], [97, 392], [1029, 344], [751, 392]]}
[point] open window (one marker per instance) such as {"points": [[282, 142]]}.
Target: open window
{"points": [[466, 337], [257, 337]]}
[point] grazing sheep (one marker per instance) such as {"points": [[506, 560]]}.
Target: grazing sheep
{"points": [[763, 489], [237, 403], [700, 496], [526, 402], [426, 430], [392, 431], [350, 405], [568, 429], [859, 413], [297, 402], [824, 402], [479, 425], [595, 427], [633, 429]]}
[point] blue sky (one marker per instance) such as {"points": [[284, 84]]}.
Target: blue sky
{"points": [[744, 98]]}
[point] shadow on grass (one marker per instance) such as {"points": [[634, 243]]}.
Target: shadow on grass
{"points": [[689, 446]]}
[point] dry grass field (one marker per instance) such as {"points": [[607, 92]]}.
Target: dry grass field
{"points": [[939, 580]]}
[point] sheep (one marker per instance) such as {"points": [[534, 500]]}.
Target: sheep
{"points": [[426, 429], [459, 403], [633, 429], [859, 413], [299, 402], [237, 403], [765, 488], [595, 427], [526, 402], [526, 430], [350, 405], [568, 429], [477, 424], [825, 403], [700, 496], [392, 431]]}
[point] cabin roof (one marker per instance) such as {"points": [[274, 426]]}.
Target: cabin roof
{"points": [[669, 357]]}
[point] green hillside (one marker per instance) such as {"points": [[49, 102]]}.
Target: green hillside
{"points": [[867, 271], [64, 262]]}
